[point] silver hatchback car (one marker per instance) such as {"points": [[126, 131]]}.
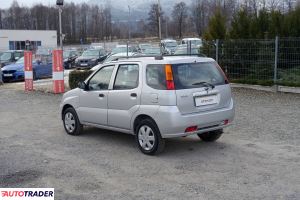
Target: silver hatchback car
{"points": [[154, 99]]}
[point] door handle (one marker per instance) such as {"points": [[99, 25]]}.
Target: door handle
{"points": [[101, 95], [133, 95]]}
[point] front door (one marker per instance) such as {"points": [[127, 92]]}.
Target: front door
{"points": [[93, 100], [124, 98]]}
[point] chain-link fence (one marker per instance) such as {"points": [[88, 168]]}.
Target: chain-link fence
{"points": [[263, 62]]}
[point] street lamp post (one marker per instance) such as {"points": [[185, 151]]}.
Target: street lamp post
{"points": [[159, 26], [129, 27], [60, 4]]}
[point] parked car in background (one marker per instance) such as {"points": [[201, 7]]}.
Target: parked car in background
{"points": [[193, 41], [91, 58], [123, 49], [9, 57], [143, 47], [15, 72], [169, 46], [69, 58], [186, 50], [152, 51], [113, 57], [153, 99]]}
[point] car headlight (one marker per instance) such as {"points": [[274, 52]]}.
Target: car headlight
{"points": [[93, 60]]}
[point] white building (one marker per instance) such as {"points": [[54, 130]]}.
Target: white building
{"points": [[30, 39]]}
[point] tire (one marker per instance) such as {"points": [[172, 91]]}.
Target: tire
{"points": [[211, 136], [148, 137], [71, 122], [34, 76]]}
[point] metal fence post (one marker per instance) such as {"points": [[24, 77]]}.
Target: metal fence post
{"points": [[276, 63], [217, 50]]}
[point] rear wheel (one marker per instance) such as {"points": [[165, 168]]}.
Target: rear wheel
{"points": [[148, 137], [211, 136], [71, 122]]}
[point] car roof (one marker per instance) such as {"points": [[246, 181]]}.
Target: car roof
{"points": [[12, 51], [191, 38], [166, 59], [168, 40]]}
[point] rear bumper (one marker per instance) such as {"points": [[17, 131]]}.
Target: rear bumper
{"points": [[172, 123]]}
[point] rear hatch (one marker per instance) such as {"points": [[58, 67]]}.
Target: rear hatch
{"points": [[200, 87]]}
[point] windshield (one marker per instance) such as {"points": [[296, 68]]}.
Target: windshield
{"points": [[152, 51], [183, 51], [5, 56], [110, 58], [196, 42], [91, 53], [20, 61], [121, 50], [171, 44], [145, 46], [66, 54]]}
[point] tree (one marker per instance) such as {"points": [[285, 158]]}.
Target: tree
{"points": [[240, 25], [199, 16], [216, 27], [153, 19], [179, 15]]}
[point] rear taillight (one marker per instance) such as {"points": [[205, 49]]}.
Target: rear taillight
{"points": [[223, 73], [169, 78], [191, 129], [226, 122]]}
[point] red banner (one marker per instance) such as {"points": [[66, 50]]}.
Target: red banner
{"points": [[58, 72], [28, 74]]}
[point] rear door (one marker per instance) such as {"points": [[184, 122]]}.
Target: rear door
{"points": [[200, 87], [124, 98]]}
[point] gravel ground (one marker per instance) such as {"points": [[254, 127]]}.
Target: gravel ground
{"points": [[257, 158]]}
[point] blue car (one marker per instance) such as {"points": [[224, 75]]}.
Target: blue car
{"points": [[15, 72]]}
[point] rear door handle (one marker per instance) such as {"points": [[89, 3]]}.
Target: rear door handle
{"points": [[101, 95], [133, 95]]}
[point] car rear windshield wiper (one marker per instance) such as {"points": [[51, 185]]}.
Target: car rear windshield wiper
{"points": [[205, 84]]}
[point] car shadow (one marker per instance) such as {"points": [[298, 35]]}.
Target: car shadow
{"points": [[173, 146]]}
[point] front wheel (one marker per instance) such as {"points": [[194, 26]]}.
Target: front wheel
{"points": [[211, 136], [148, 137], [71, 122]]}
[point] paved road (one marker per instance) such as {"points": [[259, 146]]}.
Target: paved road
{"points": [[257, 158]]}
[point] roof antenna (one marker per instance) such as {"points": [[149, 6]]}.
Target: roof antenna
{"points": [[160, 57]]}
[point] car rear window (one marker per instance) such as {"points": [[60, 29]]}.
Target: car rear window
{"points": [[193, 75]]}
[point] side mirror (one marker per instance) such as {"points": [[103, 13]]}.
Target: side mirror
{"points": [[82, 85]]}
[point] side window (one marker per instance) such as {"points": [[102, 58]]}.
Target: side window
{"points": [[100, 81], [127, 77], [156, 77]]}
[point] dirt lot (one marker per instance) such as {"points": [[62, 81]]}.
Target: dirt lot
{"points": [[257, 158]]}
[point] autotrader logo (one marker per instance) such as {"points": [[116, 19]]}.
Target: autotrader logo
{"points": [[26, 193]]}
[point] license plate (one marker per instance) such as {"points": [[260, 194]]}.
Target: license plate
{"points": [[7, 75], [84, 64], [206, 100]]}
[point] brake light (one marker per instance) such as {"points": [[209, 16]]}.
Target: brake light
{"points": [[169, 78], [223, 73], [226, 122], [191, 129]]}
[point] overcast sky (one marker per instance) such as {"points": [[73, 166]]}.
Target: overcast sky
{"points": [[7, 3]]}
